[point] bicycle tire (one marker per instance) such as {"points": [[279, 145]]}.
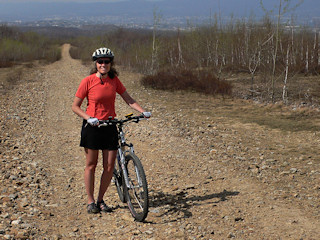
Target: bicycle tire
{"points": [[118, 181], [137, 194]]}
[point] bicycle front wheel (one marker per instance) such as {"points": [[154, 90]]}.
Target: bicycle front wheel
{"points": [[137, 192]]}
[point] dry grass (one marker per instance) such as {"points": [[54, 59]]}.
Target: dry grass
{"points": [[10, 76], [181, 79], [301, 113], [302, 90], [275, 116]]}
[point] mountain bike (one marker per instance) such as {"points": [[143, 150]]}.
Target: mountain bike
{"points": [[128, 173]]}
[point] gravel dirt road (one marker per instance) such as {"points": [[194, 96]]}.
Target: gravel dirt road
{"points": [[210, 176]]}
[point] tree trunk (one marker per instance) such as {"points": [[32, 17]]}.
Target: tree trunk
{"points": [[180, 60], [307, 60], [284, 90], [275, 52]]}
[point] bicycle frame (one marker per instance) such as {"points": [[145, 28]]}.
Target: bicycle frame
{"points": [[121, 150]]}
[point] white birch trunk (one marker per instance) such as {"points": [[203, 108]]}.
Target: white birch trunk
{"points": [[284, 90]]}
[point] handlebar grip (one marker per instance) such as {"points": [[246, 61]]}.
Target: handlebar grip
{"points": [[129, 115]]}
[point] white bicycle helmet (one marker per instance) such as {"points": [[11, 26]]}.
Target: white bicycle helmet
{"points": [[102, 53]]}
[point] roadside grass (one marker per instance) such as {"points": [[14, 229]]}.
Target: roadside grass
{"points": [[209, 109], [302, 112], [293, 117], [18, 47], [10, 76], [301, 89], [3, 79], [286, 120], [273, 116]]}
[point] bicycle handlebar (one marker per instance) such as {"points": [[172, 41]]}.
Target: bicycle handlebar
{"points": [[115, 121]]}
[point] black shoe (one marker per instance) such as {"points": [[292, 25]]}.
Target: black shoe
{"points": [[92, 208], [103, 207]]}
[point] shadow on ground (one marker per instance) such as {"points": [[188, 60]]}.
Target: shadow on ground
{"points": [[180, 204]]}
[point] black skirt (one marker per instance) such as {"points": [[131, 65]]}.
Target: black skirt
{"points": [[103, 138]]}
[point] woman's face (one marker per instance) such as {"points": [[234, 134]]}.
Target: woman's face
{"points": [[103, 65]]}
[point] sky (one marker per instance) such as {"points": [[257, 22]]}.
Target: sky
{"points": [[27, 9], [86, 1], [314, 2]]}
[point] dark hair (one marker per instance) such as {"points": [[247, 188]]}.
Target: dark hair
{"points": [[112, 73]]}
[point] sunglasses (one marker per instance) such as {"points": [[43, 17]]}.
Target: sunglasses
{"points": [[100, 61]]}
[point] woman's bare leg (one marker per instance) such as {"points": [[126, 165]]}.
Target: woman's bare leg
{"points": [[89, 172], [109, 157]]}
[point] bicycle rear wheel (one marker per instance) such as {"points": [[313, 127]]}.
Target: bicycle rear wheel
{"points": [[119, 181], [137, 192]]}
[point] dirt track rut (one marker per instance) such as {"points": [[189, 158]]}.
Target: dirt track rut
{"points": [[209, 177]]}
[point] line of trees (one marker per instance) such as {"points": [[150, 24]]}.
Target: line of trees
{"points": [[269, 52], [17, 47], [272, 54]]}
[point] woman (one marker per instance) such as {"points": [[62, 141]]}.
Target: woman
{"points": [[100, 89]]}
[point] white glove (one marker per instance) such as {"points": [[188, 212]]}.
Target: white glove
{"points": [[93, 121], [146, 114]]}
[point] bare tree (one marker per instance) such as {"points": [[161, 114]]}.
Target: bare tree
{"points": [[282, 9], [254, 62], [284, 89], [180, 59], [154, 55]]}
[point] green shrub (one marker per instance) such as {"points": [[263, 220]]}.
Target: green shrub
{"points": [[16, 47]]}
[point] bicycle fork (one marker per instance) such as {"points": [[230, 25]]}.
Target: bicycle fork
{"points": [[121, 160]]}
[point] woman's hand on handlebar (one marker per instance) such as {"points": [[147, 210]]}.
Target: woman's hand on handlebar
{"points": [[93, 121], [146, 114]]}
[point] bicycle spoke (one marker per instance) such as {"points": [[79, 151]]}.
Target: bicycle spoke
{"points": [[137, 191], [133, 190], [138, 200]]}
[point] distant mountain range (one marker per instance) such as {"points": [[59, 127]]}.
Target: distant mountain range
{"points": [[142, 10]]}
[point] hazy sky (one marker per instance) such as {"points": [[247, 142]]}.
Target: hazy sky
{"points": [[24, 9], [198, 1], [313, 2], [3, 1]]}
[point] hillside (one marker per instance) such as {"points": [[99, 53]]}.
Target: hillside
{"points": [[211, 174]]}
